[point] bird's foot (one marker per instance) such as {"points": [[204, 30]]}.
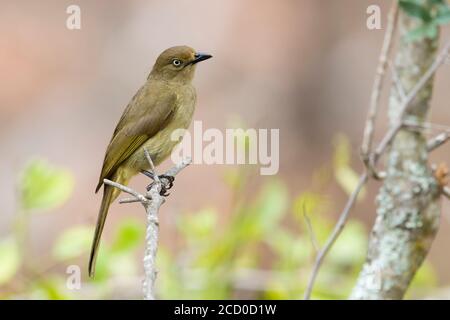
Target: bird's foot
{"points": [[166, 182]]}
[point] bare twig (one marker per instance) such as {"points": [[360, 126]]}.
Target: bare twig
{"points": [[365, 147], [152, 201], [438, 141], [414, 125], [387, 139], [129, 200], [335, 234], [367, 140], [126, 189], [378, 82], [311, 233]]}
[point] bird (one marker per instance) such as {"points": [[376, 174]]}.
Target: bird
{"points": [[164, 103]]}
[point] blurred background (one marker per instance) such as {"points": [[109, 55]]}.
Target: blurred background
{"points": [[305, 67]]}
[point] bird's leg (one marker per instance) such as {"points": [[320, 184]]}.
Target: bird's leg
{"points": [[148, 174], [166, 182]]}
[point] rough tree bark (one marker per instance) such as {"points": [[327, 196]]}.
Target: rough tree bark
{"points": [[408, 206]]}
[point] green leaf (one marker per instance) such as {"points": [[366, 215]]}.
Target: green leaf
{"points": [[72, 243], [9, 259], [415, 10], [50, 288], [43, 186], [129, 235], [200, 225], [272, 203], [425, 31], [443, 17]]}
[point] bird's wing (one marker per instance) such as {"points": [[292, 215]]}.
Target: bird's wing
{"points": [[134, 129]]}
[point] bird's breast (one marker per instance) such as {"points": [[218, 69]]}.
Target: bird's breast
{"points": [[163, 142]]}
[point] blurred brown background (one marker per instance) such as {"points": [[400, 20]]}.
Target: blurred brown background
{"points": [[305, 67]]}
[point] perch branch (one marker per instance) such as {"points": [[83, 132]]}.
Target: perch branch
{"points": [[151, 202]]}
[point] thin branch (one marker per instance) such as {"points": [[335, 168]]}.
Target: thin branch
{"points": [[152, 166], [311, 233], [335, 234], [152, 201], [437, 141], [129, 200], [441, 58], [378, 82], [126, 189], [426, 126], [366, 144]]}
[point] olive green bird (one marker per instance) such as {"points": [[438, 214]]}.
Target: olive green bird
{"points": [[164, 103]]}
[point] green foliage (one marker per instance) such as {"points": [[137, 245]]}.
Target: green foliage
{"points": [[129, 235], [72, 243], [415, 9], [431, 13], [43, 186], [262, 249], [118, 256], [9, 259]]}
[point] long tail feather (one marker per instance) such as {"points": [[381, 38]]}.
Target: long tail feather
{"points": [[109, 195]]}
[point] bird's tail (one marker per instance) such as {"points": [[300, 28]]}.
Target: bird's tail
{"points": [[109, 195]]}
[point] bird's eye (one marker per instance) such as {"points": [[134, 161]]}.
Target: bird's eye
{"points": [[176, 62]]}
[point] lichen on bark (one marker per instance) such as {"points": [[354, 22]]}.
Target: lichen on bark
{"points": [[408, 207]]}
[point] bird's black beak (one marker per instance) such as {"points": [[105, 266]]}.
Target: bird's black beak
{"points": [[200, 57]]}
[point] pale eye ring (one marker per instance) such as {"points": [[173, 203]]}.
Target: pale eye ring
{"points": [[176, 62]]}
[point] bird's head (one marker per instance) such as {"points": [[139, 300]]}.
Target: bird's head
{"points": [[177, 64]]}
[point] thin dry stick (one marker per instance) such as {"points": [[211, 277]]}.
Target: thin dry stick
{"points": [[312, 235], [438, 141], [335, 234], [378, 82], [152, 201], [366, 144], [375, 156], [426, 126], [440, 59]]}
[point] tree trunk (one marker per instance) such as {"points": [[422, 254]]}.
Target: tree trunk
{"points": [[408, 206]]}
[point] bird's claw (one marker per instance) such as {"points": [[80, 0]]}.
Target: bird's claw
{"points": [[170, 180], [166, 182]]}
